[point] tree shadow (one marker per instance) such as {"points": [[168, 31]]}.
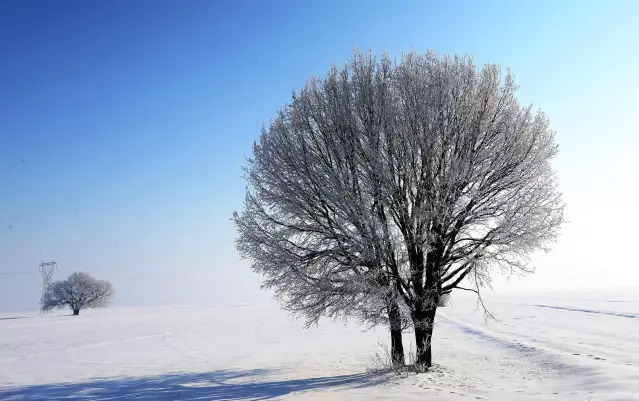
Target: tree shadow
{"points": [[13, 317], [212, 386]]}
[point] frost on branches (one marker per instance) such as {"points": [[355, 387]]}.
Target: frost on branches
{"points": [[386, 185]]}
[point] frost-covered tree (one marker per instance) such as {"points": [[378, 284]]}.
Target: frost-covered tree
{"points": [[394, 184], [79, 291], [313, 219]]}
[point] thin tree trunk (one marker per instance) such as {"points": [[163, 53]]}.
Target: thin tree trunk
{"points": [[397, 346], [424, 322], [428, 299]]}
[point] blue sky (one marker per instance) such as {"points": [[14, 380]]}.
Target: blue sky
{"points": [[124, 126]]}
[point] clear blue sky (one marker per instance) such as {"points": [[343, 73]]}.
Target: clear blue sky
{"points": [[124, 126]]}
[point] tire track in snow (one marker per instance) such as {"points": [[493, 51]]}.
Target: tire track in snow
{"points": [[86, 346], [125, 340], [540, 349], [548, 357], [597, 312]]}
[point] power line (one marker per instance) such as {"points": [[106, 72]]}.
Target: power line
{"points": [[14, 273]]}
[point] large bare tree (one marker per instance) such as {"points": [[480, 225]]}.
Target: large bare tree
{"points": [[392, 184]]}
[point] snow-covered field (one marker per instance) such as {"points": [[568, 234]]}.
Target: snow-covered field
{"points": [[562, 346]]}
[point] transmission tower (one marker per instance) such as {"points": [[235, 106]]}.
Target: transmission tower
{"points": [[47, 270]]}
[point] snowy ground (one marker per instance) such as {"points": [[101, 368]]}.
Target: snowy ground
{"points": [[570, 346]]}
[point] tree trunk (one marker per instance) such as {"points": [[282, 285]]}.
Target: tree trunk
{"points": [[397, 346], [424, 322], [76, 312]]}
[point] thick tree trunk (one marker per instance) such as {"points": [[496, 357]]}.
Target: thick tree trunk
{"points": [[76, 312], [424, 322], [397, 346]]}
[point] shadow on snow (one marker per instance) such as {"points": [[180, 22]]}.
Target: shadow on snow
{"points": [[218, 385], [13, 318]]}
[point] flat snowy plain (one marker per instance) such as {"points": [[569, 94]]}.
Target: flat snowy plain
{"points": [[560, 346]]}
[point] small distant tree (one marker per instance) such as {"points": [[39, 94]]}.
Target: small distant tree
{"points": [[79, 291]]}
